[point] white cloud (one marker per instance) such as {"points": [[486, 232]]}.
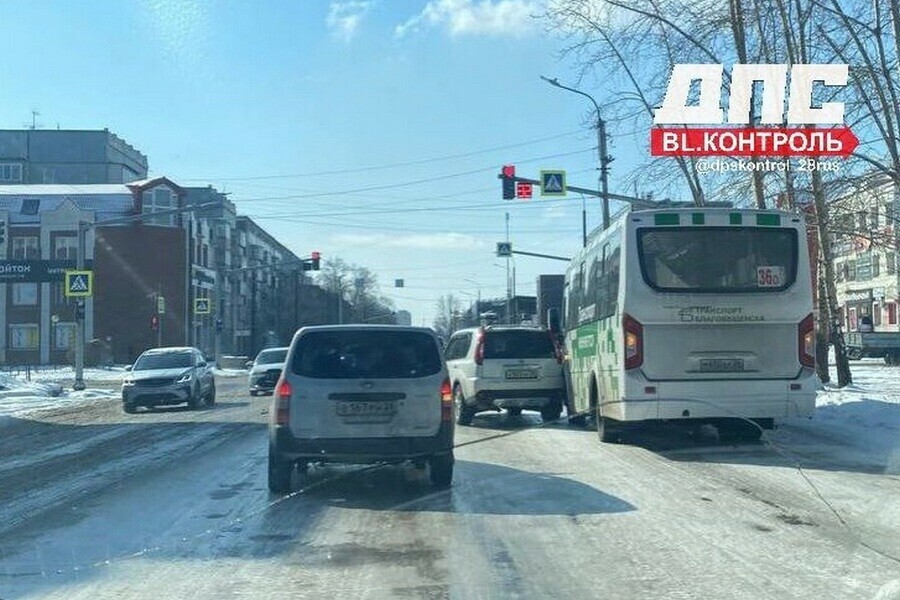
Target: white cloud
{"points": [[474, 17], [344, 18], [440, 241]]}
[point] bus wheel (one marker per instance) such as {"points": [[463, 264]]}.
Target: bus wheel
{"points": [[607, 429]]}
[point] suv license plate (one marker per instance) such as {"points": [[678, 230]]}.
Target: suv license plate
{"points": [[365, 409], [721, 365], [521, 374]]}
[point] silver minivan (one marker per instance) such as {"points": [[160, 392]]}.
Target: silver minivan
{"points": [[361, 394]]}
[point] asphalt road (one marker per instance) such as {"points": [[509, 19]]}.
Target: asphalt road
{"points": [[173, 504]]}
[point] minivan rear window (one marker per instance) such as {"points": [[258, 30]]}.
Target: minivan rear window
{"points": [[518, 344], [354, 354]]}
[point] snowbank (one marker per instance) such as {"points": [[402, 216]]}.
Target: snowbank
{"points": [[18, 398]]}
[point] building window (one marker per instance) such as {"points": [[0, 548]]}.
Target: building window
{"points": [[876, 313], [65, 247], [850, 270], [10, 172], [24, 294], [157, 200], [876, 264], [890, 263], [64, 336], [839, 272], [24, 337], [889, 214], [873, 219], [26, 247], [852, 319], [862, 219], [891, 313]]}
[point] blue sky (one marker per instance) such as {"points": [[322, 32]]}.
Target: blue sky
{"points": [[263, 100]]}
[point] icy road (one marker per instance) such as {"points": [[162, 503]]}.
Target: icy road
{"points": [[97, 504]]}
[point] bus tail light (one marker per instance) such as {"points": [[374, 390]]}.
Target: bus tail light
{"points": [[283, 392], [806, 341], [446, 402], [634, 342]]}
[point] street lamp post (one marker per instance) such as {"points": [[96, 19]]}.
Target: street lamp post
{"points": [[604, 157]]}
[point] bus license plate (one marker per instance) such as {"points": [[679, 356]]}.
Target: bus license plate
{"points": [[366, 409], [721, 365], [521, 374]]}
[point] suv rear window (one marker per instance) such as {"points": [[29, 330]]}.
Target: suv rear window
{"points": [[268, 357], [366, 355], [518, 344]]}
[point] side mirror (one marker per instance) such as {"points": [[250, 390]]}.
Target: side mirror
{"points": [[248, 364], [128, 367], [202, 363]]}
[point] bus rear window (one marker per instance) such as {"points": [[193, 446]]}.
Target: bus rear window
{"points": [[718, 259]]}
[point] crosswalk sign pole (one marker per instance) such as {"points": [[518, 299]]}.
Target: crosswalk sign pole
{"points": [[79, 314]]}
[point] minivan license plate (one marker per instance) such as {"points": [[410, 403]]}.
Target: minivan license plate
{"points": [[365, 409], [721, 365], [521, 374]]}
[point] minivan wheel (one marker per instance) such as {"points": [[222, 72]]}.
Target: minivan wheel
{"points": [[464, 414], [440, 470], [280, 472], [551, 412]]}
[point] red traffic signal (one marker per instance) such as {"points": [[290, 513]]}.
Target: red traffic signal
{"points": [[314, 259], [154, 322], [509, 184], [523, 190]]}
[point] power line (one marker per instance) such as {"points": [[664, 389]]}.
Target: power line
{"points": [[410, 163], [391, 186]]}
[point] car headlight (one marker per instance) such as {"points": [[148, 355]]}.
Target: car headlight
{"points": [[184, 378]]}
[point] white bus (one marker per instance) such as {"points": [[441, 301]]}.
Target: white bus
{"points": [[691, 315]]}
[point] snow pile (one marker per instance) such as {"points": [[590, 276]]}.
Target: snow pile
{"points": [[113, 374], [230, 372], [19, 397]]}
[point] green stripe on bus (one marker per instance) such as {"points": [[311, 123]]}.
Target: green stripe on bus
{"points": [[698, 218], [735, 218], [666, 219], [768, 220]]}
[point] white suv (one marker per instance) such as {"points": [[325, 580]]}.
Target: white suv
{"points": [[511, 367]]}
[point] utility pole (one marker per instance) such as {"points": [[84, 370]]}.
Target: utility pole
{"points": [[79, 313], [508, 288], [604, 168]]}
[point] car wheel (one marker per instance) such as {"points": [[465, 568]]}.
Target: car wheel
{"points": [[211, 396], [193, 400], [253, 392], [551, 412], [464, 414], [440, 470], [129, 408], [280, 472]]}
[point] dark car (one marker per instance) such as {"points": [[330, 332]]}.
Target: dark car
{"points": [[167, 376]]}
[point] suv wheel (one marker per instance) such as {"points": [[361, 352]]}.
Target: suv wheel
{"points": [[464, 414], [440, 470], [129, 408], [551, 412], [280, 472], [193, 400], [211, 396]]}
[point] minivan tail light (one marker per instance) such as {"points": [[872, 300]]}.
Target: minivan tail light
{"points": [[806, 342], [479, 347], [634, 342], [283, 391], [446, 402]]}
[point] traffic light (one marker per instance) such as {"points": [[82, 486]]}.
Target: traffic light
{"points": [[154, 322], [314, 259], [2, 232], [79, 310], [509, 184]]}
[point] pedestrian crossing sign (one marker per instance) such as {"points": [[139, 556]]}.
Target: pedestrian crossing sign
{"points": [[79, 284], [553, 183], [201, 306]]}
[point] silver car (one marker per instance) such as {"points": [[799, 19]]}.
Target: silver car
{"points": [[166, 376], [266, 369], [362, 394]]}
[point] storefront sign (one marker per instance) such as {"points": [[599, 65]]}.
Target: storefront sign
{"points": [[13, 271]]}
